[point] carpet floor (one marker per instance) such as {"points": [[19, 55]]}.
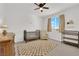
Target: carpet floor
{"points": [[35, 48]]}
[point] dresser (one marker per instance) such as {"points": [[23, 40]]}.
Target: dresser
{"points": [[7, 45]]}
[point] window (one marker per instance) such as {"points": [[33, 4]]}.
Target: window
{"points": [[55, 21]]}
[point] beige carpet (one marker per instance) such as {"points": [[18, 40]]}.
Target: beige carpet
{"points": [[35, 48]]}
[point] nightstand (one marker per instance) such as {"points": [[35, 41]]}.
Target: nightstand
{"points": [[7, 45]]}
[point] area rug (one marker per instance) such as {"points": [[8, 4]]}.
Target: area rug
{"points": [[35, 48]]}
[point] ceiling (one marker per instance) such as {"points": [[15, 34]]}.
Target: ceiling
{"points": [[28, 8], [54, 8]]}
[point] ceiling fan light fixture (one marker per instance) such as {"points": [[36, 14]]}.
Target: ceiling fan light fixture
{"points": [[41, 8]]}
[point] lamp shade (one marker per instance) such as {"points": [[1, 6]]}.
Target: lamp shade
{"points": [[4, 26]]}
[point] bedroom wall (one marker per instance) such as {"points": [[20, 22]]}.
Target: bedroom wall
{"points": [[20, 18], [1, 9], [1, 14], [71, 13]]}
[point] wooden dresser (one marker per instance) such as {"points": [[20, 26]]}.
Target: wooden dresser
{"points": [[7, 45]]}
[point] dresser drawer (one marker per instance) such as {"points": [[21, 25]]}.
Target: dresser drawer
{"points": [[1, 51]]}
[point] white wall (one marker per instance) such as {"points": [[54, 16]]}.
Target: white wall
{"points": [[44, 23], [20, 18], [1, 14], [1, 10]]}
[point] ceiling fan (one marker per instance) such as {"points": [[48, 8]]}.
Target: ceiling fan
{"points": [[41, 6]]}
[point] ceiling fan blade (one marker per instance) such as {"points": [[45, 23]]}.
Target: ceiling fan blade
{"points": [[36, 8], [36, 4], [43, 4], [45, 7]]}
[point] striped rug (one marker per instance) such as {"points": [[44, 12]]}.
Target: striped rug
{"points": [[35, 48]]}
